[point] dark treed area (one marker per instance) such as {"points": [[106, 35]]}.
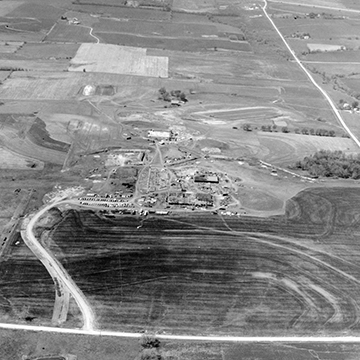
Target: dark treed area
{"points": [[331, 164]]}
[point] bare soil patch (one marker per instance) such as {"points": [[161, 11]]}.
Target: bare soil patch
{"points": [[119, 60], [177, 278]]}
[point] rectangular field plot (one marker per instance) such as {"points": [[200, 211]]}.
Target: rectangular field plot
{"points": [[163, 28], [353, 84], [54, 86], [195, 5], [46, 51], [352, 56], [69, 33], [10, 160], [336, 68], [37, 11], [285, 149], [182, 44], [119, 60], [34, 65], [197, 275], [123, 12]]}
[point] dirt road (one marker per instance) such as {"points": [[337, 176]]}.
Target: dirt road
{"points": [[54, 268]]}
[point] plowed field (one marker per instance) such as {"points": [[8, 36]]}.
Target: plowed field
{"points": [[291, 275]]}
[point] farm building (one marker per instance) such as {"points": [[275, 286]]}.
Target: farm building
{"points": [[164, 135], [207, 178]]}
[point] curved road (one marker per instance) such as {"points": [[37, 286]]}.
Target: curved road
{"points": [[55, 269], [327, 97], [90, 33]]}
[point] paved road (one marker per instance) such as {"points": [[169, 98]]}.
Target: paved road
{"points": [[327, 97], [55, 268], [237, 339]]}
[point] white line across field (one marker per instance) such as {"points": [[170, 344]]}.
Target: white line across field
{"points": [[327, 97], [204, 338], [315, 6], [332, 62]]}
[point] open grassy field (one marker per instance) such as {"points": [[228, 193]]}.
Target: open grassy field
{"points": [[316, 3], [16, 137], [119, 60], [181, 26], [41, 86], [8, 6], [339, 69], [33, 17], [180, 44], [50, 65], [351, 4], [195, 6], [69, 34], [282, 149], [225, 68], [245, 114], [67, 85], [321, 5], [47, 51], [236, 276], [337, 56], [163, 28], [10, 160], [353, 84], [25, 147], [36, 10], [15, 343], [276, 147], [121, 12]]}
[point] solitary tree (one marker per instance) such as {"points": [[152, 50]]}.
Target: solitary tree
{"points": [[183, 97], [247, 127], [305, 131]]}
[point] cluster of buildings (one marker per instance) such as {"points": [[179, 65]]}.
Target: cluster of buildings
{"points": [[190, 199], [108, 200]]}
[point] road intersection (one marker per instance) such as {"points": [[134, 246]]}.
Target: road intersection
{"points": [[323, 92]]}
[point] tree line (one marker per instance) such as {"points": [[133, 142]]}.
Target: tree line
{"points": [[327, 163]]}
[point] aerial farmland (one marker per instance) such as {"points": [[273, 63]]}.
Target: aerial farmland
{"points": [[179, 179]]}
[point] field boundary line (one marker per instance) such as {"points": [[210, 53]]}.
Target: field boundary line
{"points": [[202, 338], [287, 171], [327, 97], [315, 6], [47, 34], [332, 62]]}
